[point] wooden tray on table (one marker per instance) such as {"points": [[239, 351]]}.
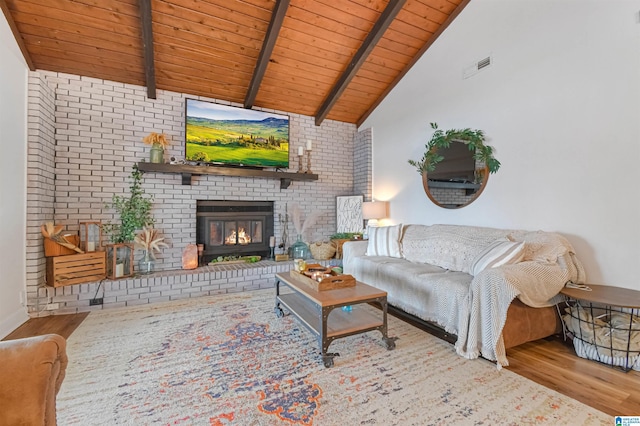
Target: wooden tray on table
{"points": [[330, 281]]}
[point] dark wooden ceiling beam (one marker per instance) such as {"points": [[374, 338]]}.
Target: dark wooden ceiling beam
{"points": [[454, 14], [277, 17], [381, 25], [17, 35], [147, 48]]}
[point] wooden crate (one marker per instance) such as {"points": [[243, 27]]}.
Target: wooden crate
{"points": [[76, 268], [330, 283]]}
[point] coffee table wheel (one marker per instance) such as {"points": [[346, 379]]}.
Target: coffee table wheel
{"points": [[390, 342], [279, 312], [327, 361]]}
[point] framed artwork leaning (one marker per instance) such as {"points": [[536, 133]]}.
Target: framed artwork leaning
{"points": [[349, 213]]}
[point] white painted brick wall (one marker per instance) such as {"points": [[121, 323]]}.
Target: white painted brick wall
{"points": [[81, 154], [362, 164], [40, 183]]}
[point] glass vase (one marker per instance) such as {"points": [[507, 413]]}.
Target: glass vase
{"points": [[300, 250], [156, 153], [146, 264]]}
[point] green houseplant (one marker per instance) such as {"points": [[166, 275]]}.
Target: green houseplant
{"points": [[134, 211], [474, 139]]}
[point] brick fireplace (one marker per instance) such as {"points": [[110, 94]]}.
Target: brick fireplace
{"points": [[84, 136]]}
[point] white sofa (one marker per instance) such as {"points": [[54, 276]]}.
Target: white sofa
{"points": [[487, 286]]}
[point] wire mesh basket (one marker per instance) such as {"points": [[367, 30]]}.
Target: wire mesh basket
{"points": [[607, 334]]}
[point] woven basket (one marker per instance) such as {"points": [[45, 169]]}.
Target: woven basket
{"points": [[322, 250]]}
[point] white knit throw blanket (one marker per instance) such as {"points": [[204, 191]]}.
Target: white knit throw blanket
{"points": [[548, 265]]}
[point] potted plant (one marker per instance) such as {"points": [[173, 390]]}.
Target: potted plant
{"points": [[134, 211], [158, 142], [340, 238], [135, 214], [474, 139]]}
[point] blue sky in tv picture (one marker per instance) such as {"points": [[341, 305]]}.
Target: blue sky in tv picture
{"points": [[221, 134]]}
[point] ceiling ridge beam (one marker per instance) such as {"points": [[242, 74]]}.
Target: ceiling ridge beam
{"points": [[17, 35], [147, 48], [277, 17], [381, 25], [454, 14]]}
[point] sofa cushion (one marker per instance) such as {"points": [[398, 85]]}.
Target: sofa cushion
{"points": [[426, 291], [451, 247], [384, 241], [500, 252]]}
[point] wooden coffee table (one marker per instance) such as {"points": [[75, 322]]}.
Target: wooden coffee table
{"points": [[317, 311]]}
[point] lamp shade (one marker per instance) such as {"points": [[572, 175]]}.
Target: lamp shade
{"points": [[375, 209]]}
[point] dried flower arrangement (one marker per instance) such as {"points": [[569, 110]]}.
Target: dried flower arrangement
{"points": [[149, 241], [156, 139], [296, 216]]}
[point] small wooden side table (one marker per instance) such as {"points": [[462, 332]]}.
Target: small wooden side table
{"points": [[605, 302], [607, 295]]}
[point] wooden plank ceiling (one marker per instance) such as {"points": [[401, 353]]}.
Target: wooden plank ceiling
{"points": [[334, 59]]}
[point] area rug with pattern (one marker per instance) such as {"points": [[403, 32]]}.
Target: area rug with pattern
{"points": [[229, 360]]}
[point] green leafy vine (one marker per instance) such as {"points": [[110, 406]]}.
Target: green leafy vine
{"points": [[134, 211], [474, 139]]}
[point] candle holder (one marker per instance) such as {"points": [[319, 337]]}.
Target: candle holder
{"points": [[200, 252], [272, 247], [308, 161], [300, 164], [91, 236], [119, 260]]}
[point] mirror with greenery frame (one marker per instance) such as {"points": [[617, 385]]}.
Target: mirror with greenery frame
{"points": [[455, 167]]}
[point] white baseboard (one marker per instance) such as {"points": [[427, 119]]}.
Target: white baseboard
{"points": [[12, 322]]}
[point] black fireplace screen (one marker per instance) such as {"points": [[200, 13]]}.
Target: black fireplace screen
{"points": [[229, 228]]}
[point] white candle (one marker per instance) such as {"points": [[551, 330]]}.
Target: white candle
{"points": [[91, 246], [308, 144], [119, 269], [300, 150], [272, 241]]}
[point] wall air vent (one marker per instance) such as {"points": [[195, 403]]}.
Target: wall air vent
{"points": [[484, 63], [474, 68]]}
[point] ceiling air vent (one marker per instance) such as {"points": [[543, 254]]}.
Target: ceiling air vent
{"points": [[474, 68]]}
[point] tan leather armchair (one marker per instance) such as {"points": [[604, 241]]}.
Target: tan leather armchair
{"points": [[31, 372]]}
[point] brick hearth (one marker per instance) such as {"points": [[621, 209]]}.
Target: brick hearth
{"points": [[163, 286]]}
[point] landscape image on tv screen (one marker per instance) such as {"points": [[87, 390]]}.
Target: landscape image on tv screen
{"points": [[222, 134]]}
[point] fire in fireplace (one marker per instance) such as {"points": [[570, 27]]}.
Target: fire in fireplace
{"points": [[234, 228]]}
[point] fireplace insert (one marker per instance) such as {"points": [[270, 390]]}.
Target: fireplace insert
{"points": [[234, 228]]}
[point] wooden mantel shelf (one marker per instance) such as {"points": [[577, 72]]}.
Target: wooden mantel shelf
{"points": [[187, 171]]}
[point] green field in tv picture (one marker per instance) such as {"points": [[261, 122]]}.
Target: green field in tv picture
{"points": [[253, 143]]}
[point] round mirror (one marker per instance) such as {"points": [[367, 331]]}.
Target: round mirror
{"points": [[455, 166], [458, 179]]}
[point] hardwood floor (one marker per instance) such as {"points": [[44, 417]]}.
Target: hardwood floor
{"points": [[550, 362], [63, 325], [553, 363]]}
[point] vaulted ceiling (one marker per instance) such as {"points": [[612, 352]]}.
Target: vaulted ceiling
{"points": [[334, 59]]}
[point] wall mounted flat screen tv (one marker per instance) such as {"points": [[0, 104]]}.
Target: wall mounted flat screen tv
{"points": [[226, 135]]}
